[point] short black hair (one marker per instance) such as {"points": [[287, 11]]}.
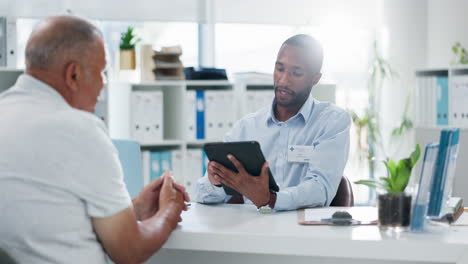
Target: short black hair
{"points": [[312, 46]]}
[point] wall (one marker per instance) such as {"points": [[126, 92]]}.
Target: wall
{"points": [[447, 24], [133, 10], [403, 40], [292, 12], [361, 13]]}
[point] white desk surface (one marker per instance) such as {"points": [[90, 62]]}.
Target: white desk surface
{"points": [[241, 229]]}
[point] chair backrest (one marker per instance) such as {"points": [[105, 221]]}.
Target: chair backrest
{"points": [[5, 258], [344, 195], [130, 158]]}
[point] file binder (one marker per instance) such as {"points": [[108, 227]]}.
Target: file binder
{"points": [[211, 113], [136, 116], [452, 155], [191, 115], [147, 123], [443, 172], [442, 101], [200, 104], [155, 116], [419, 211]]}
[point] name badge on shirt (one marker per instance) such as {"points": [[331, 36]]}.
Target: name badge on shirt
{"points": [[297, 153]]}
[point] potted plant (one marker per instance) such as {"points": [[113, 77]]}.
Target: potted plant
{"points": [[394, 204], [127, 49]]}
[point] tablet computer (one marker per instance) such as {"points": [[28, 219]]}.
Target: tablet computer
{"points": [[247, 152]]}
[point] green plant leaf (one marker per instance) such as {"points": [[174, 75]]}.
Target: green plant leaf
{"points": [[391, 168], [128, 39], [371, 184], [415, 156], [403, 175], [388, 183]]}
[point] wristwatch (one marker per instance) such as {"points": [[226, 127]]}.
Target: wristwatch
{"points": [[268, 208]]}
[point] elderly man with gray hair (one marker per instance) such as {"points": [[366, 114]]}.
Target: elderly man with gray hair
{"points": [[62, 195]]}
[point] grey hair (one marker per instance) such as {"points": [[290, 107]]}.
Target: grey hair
{"points": [[58, 38]]}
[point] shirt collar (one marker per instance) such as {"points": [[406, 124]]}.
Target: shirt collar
{"points": [[303, 114], [33, 85]]}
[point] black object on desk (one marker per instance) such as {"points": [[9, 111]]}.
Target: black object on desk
{"points": [[248, 153], [204, 74]]}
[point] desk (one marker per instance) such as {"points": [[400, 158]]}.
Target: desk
{"points": [[239, 234]]}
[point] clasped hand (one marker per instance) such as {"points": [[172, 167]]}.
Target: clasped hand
{"points": [[162, 192]]}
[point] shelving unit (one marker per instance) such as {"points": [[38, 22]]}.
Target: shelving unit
{"points": [[427, 129], [439, 97], [114, 107], [174, 118]]}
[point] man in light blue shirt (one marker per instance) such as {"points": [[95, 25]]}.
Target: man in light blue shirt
{"points": [[305, 142]]}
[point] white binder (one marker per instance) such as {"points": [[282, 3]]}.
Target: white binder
{"points": [[230, 113], [455, 113], [211, 114], [464, 99], [155, 116], [191, 115], [136, 116]]}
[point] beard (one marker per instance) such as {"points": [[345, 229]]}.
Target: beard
{"points": [[291, 98]]}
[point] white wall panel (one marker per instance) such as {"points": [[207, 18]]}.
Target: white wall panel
{"points": [[134, 10], [361, 13], [447, 24]]}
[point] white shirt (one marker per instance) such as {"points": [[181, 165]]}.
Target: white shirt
{"points": [[321, 127], [58, 168]]}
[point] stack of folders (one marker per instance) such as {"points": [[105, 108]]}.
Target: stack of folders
{"points": [[257, 99], [432, 94], [156, 163], [433, 198], [146, 114], [458, 99], [210, 114], [444, 171]]}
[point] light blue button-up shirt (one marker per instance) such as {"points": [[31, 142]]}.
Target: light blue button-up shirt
{"points": [[322, 126]]}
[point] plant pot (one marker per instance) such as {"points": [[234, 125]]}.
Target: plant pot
{"points": [[127, 59], [394, 210]]}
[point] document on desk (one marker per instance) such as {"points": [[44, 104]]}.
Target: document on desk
{"points": [[361, 215]]}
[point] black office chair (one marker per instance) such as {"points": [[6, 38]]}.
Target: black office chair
{"points": [[344, 195], [5, 258]]}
